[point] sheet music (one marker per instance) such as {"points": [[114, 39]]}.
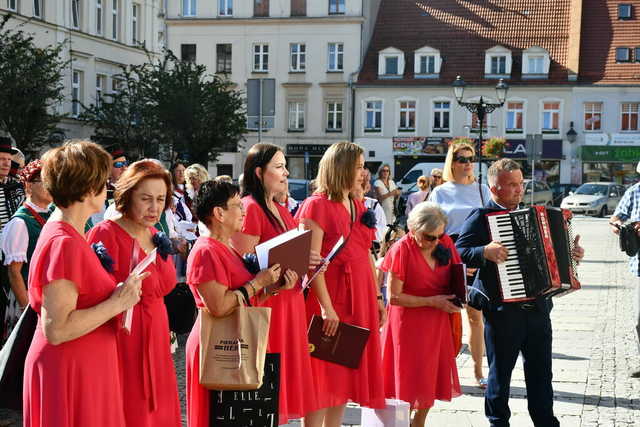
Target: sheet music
{"points": [[306, 282], [127, 317]]}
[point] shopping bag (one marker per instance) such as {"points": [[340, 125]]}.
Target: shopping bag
{"points": [[233, 348], [395, 414]]}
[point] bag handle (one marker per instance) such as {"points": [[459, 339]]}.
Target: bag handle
{"points": [[241, 307]]}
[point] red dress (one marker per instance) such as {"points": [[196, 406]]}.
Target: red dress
{"points": [[75, 383], [209, 260], [352, 288], [287, 329], [419, 359], [150, 388]]}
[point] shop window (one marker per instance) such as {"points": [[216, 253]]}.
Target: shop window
{"points": [[441, 113], [630, 116], [551, 117], [592, 115], [624, 11], [407, 122], [515, 116], [373, 116]]}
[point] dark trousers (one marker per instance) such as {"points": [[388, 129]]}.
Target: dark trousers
{"points": [[507, 333]]}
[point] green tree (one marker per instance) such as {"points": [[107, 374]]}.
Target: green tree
{"points": [[31, 87]]}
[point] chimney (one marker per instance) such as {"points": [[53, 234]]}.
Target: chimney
{"points": [[573, 51]]}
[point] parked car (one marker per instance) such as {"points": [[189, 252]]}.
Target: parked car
{"points": [[542, 194], [594, 198], [560, 191]]}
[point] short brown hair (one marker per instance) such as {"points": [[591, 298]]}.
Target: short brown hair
{"points": [[337, 169], [499, 166], [134, 175], [75, 170]]}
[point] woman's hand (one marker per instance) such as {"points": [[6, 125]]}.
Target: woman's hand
{"points": [[331, 321], [128, 294], [268, 276], [382, 313], [315, 259], [444, 303], [290, 279]]}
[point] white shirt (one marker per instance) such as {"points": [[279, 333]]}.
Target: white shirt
{"points": [[381, 220], [388, 203], [15, 237]]}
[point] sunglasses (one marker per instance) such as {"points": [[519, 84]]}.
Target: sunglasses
{"points": [[120, 164], [464, 159], [386, 170], [436, 177], [430, 238]]}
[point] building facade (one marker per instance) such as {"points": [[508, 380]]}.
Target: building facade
{"points": [[293, 59], [100, 36]]}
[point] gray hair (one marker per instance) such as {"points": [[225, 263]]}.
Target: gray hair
{"points": [[499, 166], [426, 216]]}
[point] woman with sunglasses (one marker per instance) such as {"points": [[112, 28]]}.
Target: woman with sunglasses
{"points": [[419, 360], [458, 196], [387, 192]]}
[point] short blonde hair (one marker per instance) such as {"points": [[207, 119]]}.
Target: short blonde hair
{"points": [[337, 169], [195, 171], [454, 149], [423, 182], [425, 217], [75, 170]]}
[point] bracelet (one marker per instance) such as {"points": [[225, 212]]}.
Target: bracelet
{"points": [[245, 295], [250, 283], [380, 298]]}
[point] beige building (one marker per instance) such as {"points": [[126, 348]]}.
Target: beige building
{"points": [[100, 35], [303, 53]]}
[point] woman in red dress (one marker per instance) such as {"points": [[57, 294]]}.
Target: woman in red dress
{"points": [[419, 357], [265, 175], [150, 388], [214, 272], [71, 371], [347, 291]]}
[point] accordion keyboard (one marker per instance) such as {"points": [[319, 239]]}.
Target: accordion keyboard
{"points": [[509, 272]]}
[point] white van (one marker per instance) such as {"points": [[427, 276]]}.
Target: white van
{"points": [[408, 182]]}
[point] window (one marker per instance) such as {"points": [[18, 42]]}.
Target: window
{"points": [[407, 116], [498, 65], [536, 65], [637, 56], [624, 11], [223, 58], [116, 84], [260, 7], [99, 17], [592, 115], [298, 56], [630, 116], [114, 20], [475, 123], [225, 7], [75, 14], [551, 117], [427, 64], [135, 23], [101, 80], [391, 64], [334, 116], [441, 111], [296, 116], [298, 7], [373, 116], [12, 5], [260, 57], [37, 8], [623, 54], [515, 114], [336, 7], [336, 53], [76, 93], [188, 52], [188, 7]]}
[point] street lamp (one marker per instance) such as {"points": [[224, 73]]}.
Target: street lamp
{"points": [[572, 135], [480, 109]]}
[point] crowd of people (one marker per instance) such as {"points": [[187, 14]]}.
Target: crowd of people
{"points": [[77, 221]]}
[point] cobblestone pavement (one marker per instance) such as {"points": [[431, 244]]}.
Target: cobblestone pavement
{"points": [[594, 348]]}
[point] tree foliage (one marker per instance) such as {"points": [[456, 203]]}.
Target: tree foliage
{"points": [[31, 87], [172, 107]]}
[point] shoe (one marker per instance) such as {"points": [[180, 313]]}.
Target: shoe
{"points": [[481, 383], [635, 374]]}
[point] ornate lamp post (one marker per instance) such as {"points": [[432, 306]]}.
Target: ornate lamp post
{"points": [[480, 108]]}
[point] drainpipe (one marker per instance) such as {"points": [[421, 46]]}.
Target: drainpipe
{"points": [[353, 106]]}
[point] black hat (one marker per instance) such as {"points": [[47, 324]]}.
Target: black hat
{"points": [[5, 145]]}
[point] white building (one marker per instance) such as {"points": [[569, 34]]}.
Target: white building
{"points": [[100, 36], [305, 53]]}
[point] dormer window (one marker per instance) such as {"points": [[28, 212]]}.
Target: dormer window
{"points": [[624, 11], [497, 63], [391, 63], [535, 63], [427, 63], [623, 54]]}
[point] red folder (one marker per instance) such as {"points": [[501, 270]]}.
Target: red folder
{"points": [[459, 282], [344, 348]]}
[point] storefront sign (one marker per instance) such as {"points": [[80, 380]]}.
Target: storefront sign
{"points": [[625, 139], [309, 149], [517, 149], [419, 145], [596, 139], [610, 154]]}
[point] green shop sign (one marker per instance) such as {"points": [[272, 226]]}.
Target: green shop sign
{"points": [[604, 153]]}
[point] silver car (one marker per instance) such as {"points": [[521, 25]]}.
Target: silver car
{"points": [[542, 194], [594, 198]]}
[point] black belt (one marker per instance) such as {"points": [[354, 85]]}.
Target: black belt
{"points": [[527, 305]]}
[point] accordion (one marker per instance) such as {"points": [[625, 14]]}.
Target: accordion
{"points": [[540, 242]]}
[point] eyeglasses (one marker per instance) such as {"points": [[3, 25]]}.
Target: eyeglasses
{"points": [[465, 159], [436, 177], [430, 238], [120, 164], [386, 170]]}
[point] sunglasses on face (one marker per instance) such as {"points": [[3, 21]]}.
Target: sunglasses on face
{"points": [[386, 170], [436, 177], [120, 164], [464, 159], [430, 238]]}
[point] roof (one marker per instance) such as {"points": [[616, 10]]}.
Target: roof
{"points": [[602, 33], [463, 30]]}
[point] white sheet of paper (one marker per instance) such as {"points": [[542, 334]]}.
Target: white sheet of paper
{"points": [[306, 282], [127, 318]]}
